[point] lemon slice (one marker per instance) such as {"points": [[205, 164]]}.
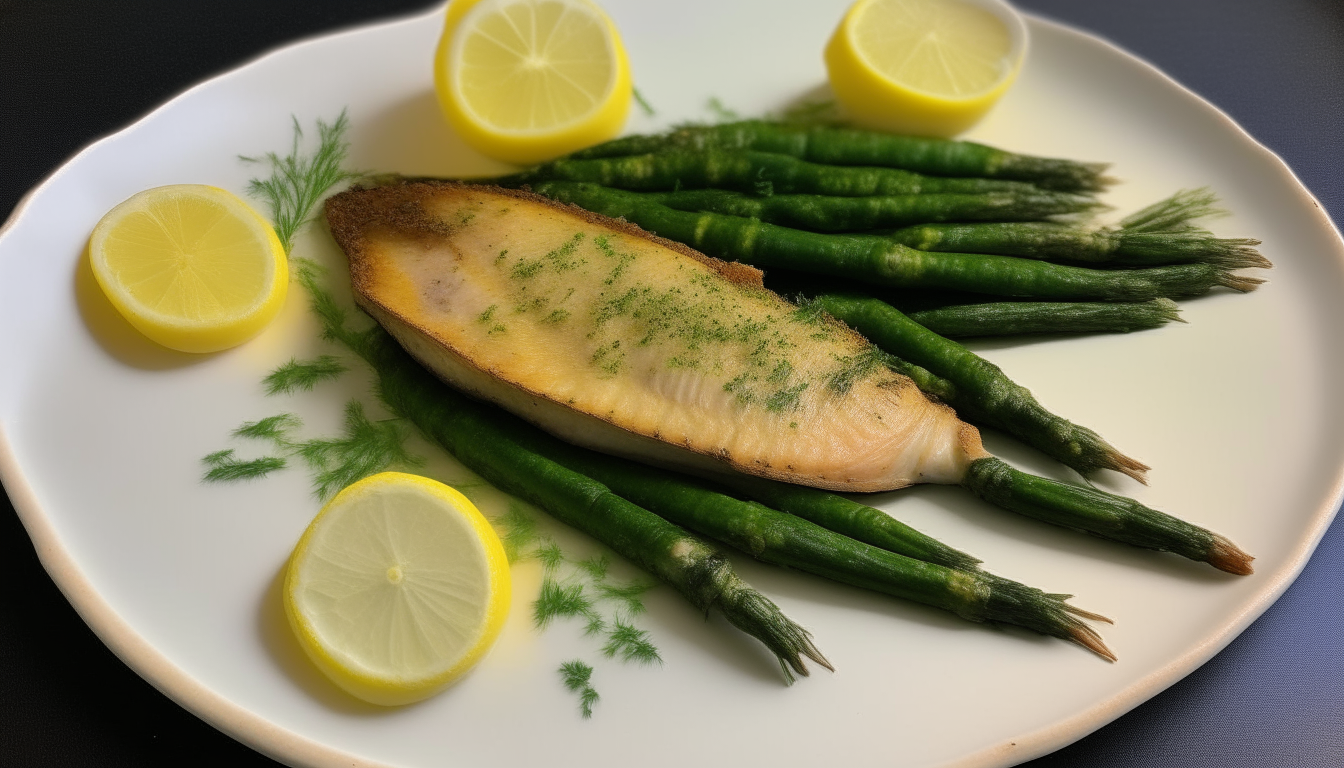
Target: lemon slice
{"points": [[529, 80], [927, 67], [192, 267], [398, 586]]}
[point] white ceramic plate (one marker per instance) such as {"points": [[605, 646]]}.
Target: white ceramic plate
{"points": [[102, 435]]}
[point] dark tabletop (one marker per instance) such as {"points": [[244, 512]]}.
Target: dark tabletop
{"points": [[73, 71]]}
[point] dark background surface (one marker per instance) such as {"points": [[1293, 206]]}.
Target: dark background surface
{"points": [[71, 72]]}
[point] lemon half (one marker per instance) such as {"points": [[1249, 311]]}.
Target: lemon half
{"points": [[530, 80], [398, 586], [926, 67], [192, 267]]}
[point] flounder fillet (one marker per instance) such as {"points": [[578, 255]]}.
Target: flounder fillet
{"points": [[618, 340]]}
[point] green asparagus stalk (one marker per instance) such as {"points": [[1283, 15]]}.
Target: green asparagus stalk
{"points": [[495, 445], [876, 260], [983, 392], [1016, 318], [851, 519], [826, 213], [783, 539], [846, 146], [957, 315], [1061, 242], [756, 172], [1102, 514]]}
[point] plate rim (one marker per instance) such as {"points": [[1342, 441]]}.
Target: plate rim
{"points": [[280, 743]]}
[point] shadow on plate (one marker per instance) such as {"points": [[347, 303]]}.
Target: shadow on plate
{"points": [[290, 658], [117, 336]]}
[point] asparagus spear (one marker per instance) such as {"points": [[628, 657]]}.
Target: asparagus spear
{"points": [[1014, 318], [984, 393], [1103, 514], [756, 172], [1060, 242], [877, 260], [783, 539], [495, 445], [959, 315], [826, 213], [850, 519], [846, 146]]}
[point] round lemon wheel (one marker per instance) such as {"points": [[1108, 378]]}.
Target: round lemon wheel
{"points": [[529, 80], [924, 67], [398, 586], [192, 267]]}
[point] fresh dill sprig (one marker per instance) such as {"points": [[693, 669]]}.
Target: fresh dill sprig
{"points": [[298, 182], [631, 644], [550, 556], [576, 676], [520, 532], [721, 113], [630, 594], [366, 447], [559, 601], [329, 313], [296, 375], [224, 467], [273, 428], [643, 103], [596, 566]]}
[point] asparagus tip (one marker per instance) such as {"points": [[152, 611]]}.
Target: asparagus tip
{"points": [[1076, 611], [1226, 556], [1089, 639], [1126, 466], [1241, 254], [755, 614], [1239, 283]]}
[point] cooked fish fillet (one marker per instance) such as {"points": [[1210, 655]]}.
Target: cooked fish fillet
{"points": [[620, 341]]}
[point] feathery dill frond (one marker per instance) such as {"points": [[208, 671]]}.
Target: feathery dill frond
{"points": [[721, 112], [224, 467], [550, 555], [630, 595], [299, 182], [273, 428], [576, 676], [295, 375], [631, 644], [596, 566], [559, 601], [366, 447], [519, 532], [596, 625], [643, 103]]}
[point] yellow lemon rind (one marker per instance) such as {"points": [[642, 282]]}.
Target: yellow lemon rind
{"points": [[875, 101], [182, 334], [391, 692], [530, 147]]}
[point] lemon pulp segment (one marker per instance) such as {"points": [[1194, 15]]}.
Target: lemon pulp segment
{"points": [[931, 67], [527, 80], [191, 266], [943, 48], [397, 587]]}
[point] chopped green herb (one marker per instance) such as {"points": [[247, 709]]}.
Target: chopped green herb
{"points": [[297, 182], [223, 467], [295, 375]]}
